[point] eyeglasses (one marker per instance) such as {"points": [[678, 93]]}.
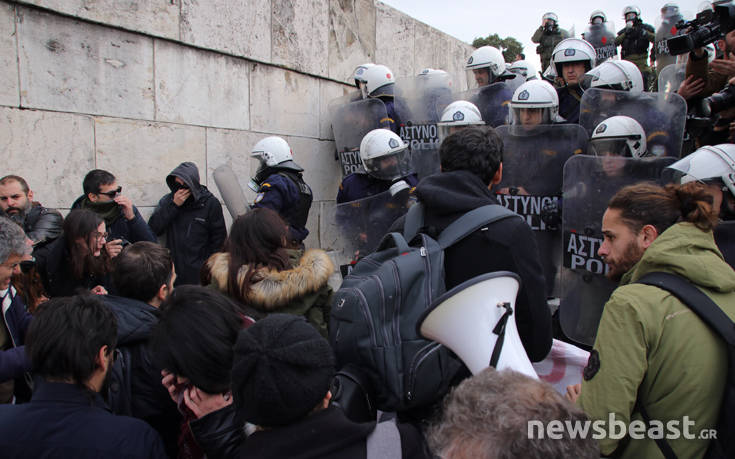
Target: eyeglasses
{"points": [[112, 193], [98, 235]]}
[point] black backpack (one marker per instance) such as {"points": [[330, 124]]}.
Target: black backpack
{"points": [[711, 314], [374, 313]]}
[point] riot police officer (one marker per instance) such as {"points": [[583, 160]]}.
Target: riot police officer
{"points": [[524, 68], [616, 75], [634, 41], [358, 75], [548, 36], [387, 161], [380, 84], [486, 67], [601, 35], [572, 58], [281, 187], [535, 102], [458, 115]]}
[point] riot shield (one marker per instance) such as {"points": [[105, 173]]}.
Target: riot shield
{"points": [[419, 103], [665, 29], [351, 120], [492, 100], [589, 183], [353, 229], [671, 77], [514, 82], [661, 115], [533, 159], [602, 38]]}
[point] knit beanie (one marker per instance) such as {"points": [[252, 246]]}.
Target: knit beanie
{"points": [[281, 371]]}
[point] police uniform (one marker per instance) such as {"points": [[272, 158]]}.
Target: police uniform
{"points": [[286, 192], [569, 99], [494, 102], [358, 186], [634, 44]]}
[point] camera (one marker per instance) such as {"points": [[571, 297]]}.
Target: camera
{"points": [[719, 101], [708, 27]]}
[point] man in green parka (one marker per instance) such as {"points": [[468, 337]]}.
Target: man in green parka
{"points": [[548, 36], [651, 350]]}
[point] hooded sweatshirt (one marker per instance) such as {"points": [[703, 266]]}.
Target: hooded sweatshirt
{"points": [[195, 230], [653, 350]]}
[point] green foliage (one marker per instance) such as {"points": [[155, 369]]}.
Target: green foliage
{"points": [[509, 45]]}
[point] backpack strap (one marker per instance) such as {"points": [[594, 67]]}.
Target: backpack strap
{"points": [[385, 441], [696, 300], [471, 222], [414, 221]]}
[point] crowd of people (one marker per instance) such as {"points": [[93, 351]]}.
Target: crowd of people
{"points": [[219, 342]]}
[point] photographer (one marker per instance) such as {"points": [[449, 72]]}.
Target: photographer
{"points": [[634, 41], [702, 80], [548, 36]]}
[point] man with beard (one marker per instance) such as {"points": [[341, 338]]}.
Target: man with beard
{"points": [[652, 353], [41, 224], [71, 343]]}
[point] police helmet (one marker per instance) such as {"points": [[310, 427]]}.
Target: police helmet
{"points": [[525, 69], [711, 163], [458, 115], [550, 16], [385, 155], [573, 50], [359, 74], [535, 94], [597, 14], [379, 81], [619, 136], [619, 75], [486, 57], [274, 152], [631, 9]]}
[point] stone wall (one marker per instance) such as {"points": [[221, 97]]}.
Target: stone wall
{"points": [[138, 86]]}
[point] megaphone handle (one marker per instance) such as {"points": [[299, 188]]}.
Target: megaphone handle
{"points": [[500, 331]]}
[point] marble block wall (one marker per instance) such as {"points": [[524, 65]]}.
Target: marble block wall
{"points": [[138, 86]]}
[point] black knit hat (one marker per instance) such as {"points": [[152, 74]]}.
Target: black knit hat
{"points": [[282, 370]]}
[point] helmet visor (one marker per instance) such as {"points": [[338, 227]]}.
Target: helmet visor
{"points": [[479, 77], [390, 167], [610, 147]]}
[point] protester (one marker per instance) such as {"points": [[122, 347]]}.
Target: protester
{"points": [[80, 259], [103, 196], [640, 361], [256, 270], [41, 224], [13, 361], [71, 344], [280, 383], [191, 217], [492, 414]]}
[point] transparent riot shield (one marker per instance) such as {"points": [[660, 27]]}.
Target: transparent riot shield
{"points": [[492, 100], [589, 183], [533, 160], [661, 115], [351, 120], [665, 29], [671, 77], [419, 103], [602, 38], [514, 82], [353, 229]]}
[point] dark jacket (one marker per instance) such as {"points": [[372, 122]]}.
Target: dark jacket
{"points": [[359, 186], [64, 421], [506, 245], [148, 399], [13, 361], [42, 225], [134, 230], [286, 192], [53, 263], [569, 101], [327, 434], [195, 230]]}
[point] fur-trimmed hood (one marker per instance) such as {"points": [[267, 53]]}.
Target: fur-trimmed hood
{"points": [[272, 289]]}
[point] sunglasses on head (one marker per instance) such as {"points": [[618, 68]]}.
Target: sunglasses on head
{"points": [[112, 193]]}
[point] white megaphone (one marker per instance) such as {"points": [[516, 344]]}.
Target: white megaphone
{"points": [[230, 190], [476, 320]]}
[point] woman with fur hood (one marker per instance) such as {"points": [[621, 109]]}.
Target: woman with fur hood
{"points": [[258, 270]]}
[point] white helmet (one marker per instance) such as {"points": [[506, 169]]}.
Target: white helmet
{"points": [[707, 164], [535, 94], [524, 68], [429, 79], [612, 74], [380, 145], [379, 81], [458, 115], [573, 50], [487, 57], [619, 136], [271, 152], [551, 16], [670, 10], [359, 74], [597, 14], [631, 9]]}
